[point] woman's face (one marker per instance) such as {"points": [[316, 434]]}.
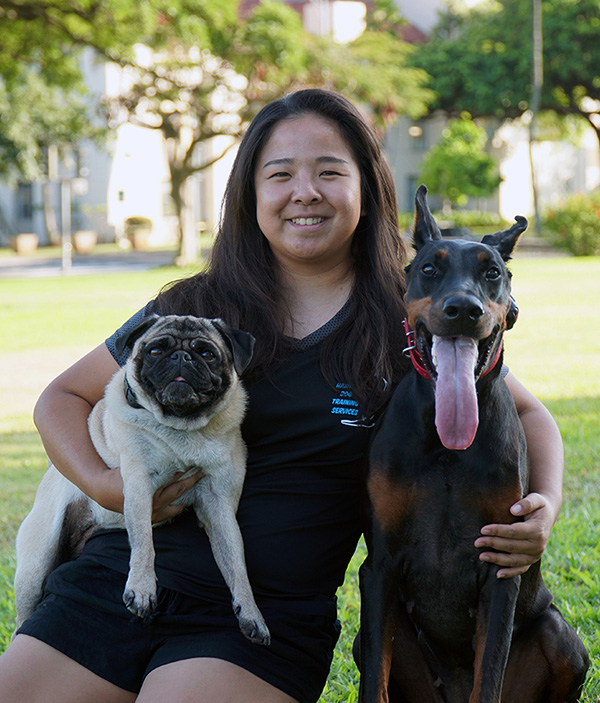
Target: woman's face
{"points": [[308, 193]]}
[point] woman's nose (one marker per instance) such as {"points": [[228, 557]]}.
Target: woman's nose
{"points": [[306, 191]]}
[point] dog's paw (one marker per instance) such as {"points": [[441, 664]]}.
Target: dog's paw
{"points": [[254, 628], [139, 602]]}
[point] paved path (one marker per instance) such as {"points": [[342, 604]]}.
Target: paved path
{"points": [[132, 260], [40, 267]]}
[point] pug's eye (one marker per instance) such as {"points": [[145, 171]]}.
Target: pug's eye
{"points": [[208, 355], [155, 351]]}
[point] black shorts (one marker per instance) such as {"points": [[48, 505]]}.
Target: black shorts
{"points": [[82, 615]]}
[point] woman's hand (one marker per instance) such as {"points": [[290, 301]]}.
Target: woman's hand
{"points": [[162, 508], [520, 544], [109, 493]]}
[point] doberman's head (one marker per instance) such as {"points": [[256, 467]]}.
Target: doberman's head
{"points": [[458, 302]]}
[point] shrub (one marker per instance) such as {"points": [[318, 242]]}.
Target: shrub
{"points": [[575, 224], [478, 221], [458, 167]]}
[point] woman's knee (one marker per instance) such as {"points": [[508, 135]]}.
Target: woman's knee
{"points": [[33, 672], [205, 680]]}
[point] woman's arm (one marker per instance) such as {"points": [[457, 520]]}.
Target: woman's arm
{"points": [[61, 415], [522, 543]]}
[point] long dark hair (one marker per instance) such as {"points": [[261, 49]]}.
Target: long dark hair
{"points": [[240, 284]]}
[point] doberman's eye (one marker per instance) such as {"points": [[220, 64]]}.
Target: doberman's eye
{"points": [[428, 269], [492, 273]]}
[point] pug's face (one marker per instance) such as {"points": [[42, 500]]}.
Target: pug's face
{"points": [[185, 365]]}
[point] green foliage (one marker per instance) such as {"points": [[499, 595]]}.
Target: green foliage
{"points": [[492, 221], [478, 218], [36, 115], [374, 69], [480, 59], [385, 16], [574, 225], [42, 98], [458, 167], [206, 72], [271, 46]]}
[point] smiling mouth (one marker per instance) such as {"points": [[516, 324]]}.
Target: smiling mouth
{"points": [[307, 221]]}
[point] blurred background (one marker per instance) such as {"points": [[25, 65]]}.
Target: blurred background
{"points": [[119, 120]]}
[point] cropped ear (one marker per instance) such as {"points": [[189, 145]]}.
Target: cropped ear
{"points": [[128, 338], [241, 345], [425, 227], [507, 240]]}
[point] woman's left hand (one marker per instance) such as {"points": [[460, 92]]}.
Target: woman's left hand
{"points": [[519, 544]]}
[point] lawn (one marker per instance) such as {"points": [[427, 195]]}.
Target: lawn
{"points": [[554, 349]]}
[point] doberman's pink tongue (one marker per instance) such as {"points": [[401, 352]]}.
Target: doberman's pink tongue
{"points": [[456, 414]]}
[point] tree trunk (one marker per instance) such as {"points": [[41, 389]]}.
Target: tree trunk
{"points": [[50, 214], [593, 124], [189, 245]]}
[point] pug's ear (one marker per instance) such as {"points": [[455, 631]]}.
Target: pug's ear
{"points": [[241, 345], [129, 337]]}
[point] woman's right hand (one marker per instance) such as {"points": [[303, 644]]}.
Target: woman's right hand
{"points": [[108, 492], [162, 507]]}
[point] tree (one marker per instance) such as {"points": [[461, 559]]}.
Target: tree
{"points": [[209, 75], [376, 69], [458, 167], [43, 102], [489, 50], [206, 72], [37, 117]]}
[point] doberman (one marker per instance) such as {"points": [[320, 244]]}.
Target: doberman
{"points": [[437, 625]]}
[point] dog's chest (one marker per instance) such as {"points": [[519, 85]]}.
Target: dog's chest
{"points": [[431, 502], [167, 451]]}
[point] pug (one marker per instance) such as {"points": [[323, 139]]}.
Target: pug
{"points": [[177, 403]]}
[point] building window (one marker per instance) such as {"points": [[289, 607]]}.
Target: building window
{"points": [[25, 201]]}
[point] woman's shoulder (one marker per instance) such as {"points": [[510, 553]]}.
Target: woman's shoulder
{"points": [[148, 309]]}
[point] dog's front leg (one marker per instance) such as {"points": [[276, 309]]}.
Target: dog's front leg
{"points": [[378, 620], [493, 635], [140, 590], [217, 513]]}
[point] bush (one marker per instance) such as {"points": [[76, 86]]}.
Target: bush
{"points": [[478, 221], [575, 224]]}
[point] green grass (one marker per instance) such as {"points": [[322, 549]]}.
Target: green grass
{"points": [[554, 349], [61, 312]]}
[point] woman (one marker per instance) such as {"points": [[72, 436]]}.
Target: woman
{"points": [[308, 259]]}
